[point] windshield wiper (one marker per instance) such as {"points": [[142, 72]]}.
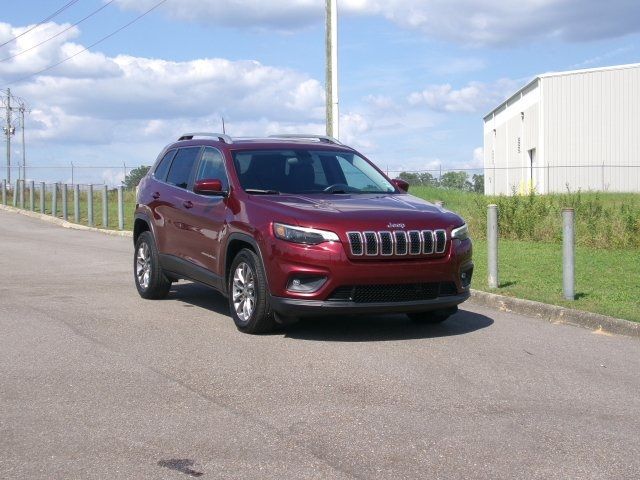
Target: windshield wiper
{"points": [[257, 191]]}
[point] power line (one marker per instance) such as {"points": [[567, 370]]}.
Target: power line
{"points": [[106, 37], [57, 34], [53, 15]]}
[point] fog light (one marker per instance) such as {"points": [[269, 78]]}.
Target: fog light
{"points": [[465, 277], [306, 284]]}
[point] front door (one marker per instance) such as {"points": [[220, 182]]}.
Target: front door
{"points": [[206, 217]]}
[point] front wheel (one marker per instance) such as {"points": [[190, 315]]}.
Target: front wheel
{"points": [[151, 281], [248, 294]]}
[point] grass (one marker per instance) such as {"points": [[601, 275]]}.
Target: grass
{"points": [[603, 220], [607, 281]]}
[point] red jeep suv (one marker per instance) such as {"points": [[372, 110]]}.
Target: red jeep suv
{"points": [[292, 226]]}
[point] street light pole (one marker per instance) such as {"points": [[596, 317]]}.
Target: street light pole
{"points": [[333, 114]]}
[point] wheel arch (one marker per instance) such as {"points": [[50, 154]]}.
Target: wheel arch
{"points": [[237, 242], [141, 224]]}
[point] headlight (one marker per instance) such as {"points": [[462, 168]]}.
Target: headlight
{"points": [[309, 236], [461, 233]]}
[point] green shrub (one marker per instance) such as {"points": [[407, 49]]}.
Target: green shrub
{"points": [[603, 220]]}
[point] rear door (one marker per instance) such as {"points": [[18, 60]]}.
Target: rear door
{"points": [[157, 198], [178, 199]]}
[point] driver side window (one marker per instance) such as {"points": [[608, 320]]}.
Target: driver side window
{"points": [[212, 167]]}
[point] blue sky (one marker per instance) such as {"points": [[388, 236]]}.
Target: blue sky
{"points": [[416, 76]]}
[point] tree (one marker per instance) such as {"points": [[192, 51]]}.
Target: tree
{"points": [[456, 180], [133, 179], [414, 178], [410, 178], [478, 183], [429, 180]]}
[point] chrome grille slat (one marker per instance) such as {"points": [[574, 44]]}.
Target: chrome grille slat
{"points": [[386, 243], [355, 241], [441, 241], [370, 243], [398, 242], [400, 237], [415, 242], [427, 242]]}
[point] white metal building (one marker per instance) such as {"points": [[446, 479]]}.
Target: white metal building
{"points": [[567, 130]]}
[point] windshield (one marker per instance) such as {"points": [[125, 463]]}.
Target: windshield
{"points": [[307, 171]]}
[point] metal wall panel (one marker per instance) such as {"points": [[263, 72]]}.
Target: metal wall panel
{"points": [[584, 127], [592, 126]]}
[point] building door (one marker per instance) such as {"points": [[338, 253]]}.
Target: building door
{"points": [[533, 171]]}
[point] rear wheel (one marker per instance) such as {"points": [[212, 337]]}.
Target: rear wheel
{"points": [[151, 282], [434, 316], [248, 294]]}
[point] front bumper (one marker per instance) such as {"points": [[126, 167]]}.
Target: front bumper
{"points": [[302, 307], [286, 261]]}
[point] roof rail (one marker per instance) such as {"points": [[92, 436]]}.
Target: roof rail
{"points": [[220, 136], [320, 138]]}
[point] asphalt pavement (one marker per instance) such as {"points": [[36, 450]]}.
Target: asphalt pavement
{"points": [[96, 382]]}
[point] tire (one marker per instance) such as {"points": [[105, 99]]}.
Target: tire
{"points": [[150, 280], [433, 316], [249, 295]]}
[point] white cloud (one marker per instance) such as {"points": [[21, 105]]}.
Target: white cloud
{"points": [[353, 126], [98, 99], [471, 98], [469, 22], [382, 103], [478, 157], [18, 59], [112, 177]]}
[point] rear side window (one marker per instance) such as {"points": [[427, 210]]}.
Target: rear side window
{"points": [[182, 166], [161, 170], [212, 167]]}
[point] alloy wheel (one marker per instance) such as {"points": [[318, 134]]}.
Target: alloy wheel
{"points": [[143, 265], [243, 291]]}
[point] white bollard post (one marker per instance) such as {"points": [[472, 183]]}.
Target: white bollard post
{"points": [[568, 254], [120, 208], [492, 245], [90, 205], [43, 191]]}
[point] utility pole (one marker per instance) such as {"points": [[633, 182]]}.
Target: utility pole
{"points": [[7, 131], [333, 114], [24, 154]]}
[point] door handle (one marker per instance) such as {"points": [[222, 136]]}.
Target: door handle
{"points": [[187, 204], [156, 195]]}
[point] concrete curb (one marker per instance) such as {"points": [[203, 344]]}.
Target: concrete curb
{"points": [[66, 224], [556, 314]]}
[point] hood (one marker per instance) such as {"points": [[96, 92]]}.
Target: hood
{"points": [[360, 211]]}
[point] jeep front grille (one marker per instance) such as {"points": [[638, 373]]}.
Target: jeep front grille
{"points": [[398, 242]]}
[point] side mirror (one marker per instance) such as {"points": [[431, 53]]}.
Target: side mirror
{"points": [[209, 186], [401, 184]]}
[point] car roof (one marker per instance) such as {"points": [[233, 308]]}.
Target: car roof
{"points": [[261, 143]]}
